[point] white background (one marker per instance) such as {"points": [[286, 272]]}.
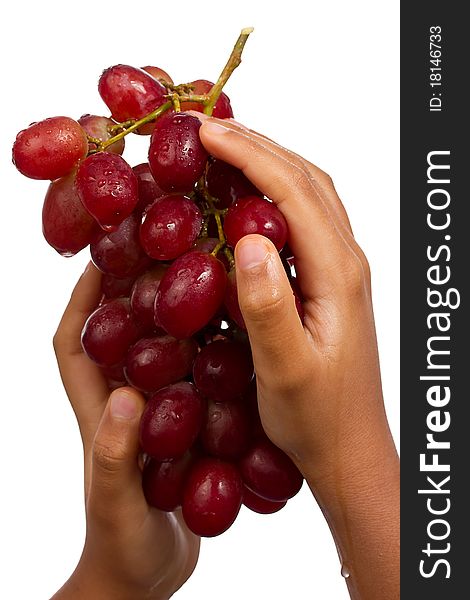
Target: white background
{"points": [[319, 77]]}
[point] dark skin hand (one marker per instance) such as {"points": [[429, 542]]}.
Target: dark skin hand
{"points": [[131, 551], [319, 387], [319, 395]]}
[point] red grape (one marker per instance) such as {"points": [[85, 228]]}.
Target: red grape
{"points": [[66, 225], [177, 157], [226, 429], [115, 287], [171, 421], [255, 215], [130, 93], [190, 293], [269, 472], [155, 362], [212, 497], [148, 188], [170, 227], [207, 244], [261, 505], [143, 296], [119, 252], [168, 322], [222, 108], [164, 482], [228, 184], [98, 127], [108, 333], [115, 375], [50, 149], [250, 400], [223, 370], [231, 300], [108, 188], [158, 73]]}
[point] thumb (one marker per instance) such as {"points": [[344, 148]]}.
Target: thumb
{"points": [[116, 479], [268, 307]]}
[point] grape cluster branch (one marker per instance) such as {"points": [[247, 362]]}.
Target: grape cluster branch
{"points": [[178, 94], [234, 60]]}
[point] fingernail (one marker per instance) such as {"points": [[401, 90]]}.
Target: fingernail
{"points": [[251, 253], [123, 405], [213, 128]]}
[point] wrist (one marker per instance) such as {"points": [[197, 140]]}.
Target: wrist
{"points": [[361, 457], [357, 487], [86, 582]]}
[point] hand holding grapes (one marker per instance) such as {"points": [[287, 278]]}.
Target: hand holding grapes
{"points": [[319, 388], [171, 317], [319, 391], [132, 550]]}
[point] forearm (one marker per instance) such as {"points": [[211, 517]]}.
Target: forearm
{"points": [[359, 494], [79, 587], [165, 561]]}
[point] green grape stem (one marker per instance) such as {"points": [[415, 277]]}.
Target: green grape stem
{"points": [[181, 88], [205, 226], [176, 102], [220, 230], [233, 62], [179, 93], [200, 98], [229, 254], [114, 129], [183, 93], [136, 124], [92, 140]]}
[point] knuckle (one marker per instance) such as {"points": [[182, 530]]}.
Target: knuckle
{"points": [[367, 270], [292, 381], [327, 179], [57, 342], [107, 457], [318, 174], [263, 308], [353, 273], [300, 179]]}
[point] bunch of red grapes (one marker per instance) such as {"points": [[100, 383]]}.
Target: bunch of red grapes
{"points": [[169, 323]]}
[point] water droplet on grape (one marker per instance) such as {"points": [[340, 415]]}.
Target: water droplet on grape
{"points": [[216, 416]]}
